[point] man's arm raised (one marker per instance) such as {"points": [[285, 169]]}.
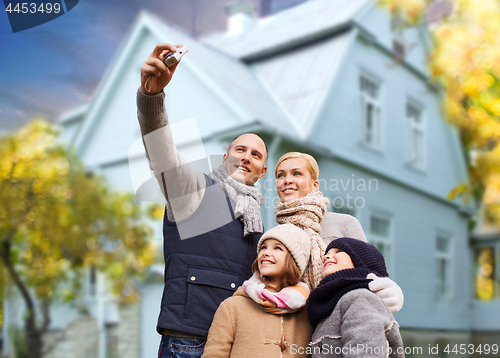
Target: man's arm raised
{"points": [[154, 74], [182, 186]]}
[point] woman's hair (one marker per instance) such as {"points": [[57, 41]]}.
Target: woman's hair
{"points": [[290, 277], [308, 160]]}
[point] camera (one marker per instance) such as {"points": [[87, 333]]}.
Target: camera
{"points": [[173, 57]]}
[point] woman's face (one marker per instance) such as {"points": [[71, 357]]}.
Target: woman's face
{"points": [[293, 180], [271, 259]]}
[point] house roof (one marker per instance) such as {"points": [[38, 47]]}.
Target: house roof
{"points": [[74, 114], [297, 53], [229, 79], [235, 81], [282, 107], [301, 80], [294, 26], [282, 93]]}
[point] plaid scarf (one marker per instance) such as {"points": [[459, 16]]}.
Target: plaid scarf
{"points": [[247, 200], [306, 213], [288, 300]]}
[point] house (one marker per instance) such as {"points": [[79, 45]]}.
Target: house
{"points": [[333, 79]]}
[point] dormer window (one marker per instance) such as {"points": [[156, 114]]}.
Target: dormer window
{"points": [[398, 46], [398, 41]]}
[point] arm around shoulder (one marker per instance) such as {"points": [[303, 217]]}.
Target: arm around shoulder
{"points": [[335, 225]]}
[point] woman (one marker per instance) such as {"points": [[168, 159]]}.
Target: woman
{"points": [[302, 204], [300, 170], [266, 317]]}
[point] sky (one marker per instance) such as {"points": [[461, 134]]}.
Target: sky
{"points": [[53, 68]]}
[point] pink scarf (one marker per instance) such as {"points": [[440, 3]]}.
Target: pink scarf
{"points": [[307, 213], [288, 300]]}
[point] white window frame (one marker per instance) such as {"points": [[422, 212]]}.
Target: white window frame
{"points": [[373, 139], [376, 240], [89, 288], [444, 289], [416, 128]]}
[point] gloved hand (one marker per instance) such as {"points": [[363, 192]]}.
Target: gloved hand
{"points": [[387, 290]]}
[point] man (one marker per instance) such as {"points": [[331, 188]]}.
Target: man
{"points": [[212, 222]]}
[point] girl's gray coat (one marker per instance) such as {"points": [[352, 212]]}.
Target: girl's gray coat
{"points": [[361, 325]]}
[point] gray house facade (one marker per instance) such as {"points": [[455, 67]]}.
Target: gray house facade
{"points": [[333, 79]]}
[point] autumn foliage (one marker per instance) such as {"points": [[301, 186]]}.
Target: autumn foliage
{"points": [[465, 60], [56, 219]]}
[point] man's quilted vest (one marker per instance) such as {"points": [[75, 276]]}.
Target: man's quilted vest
{"points": [[203, 270]]}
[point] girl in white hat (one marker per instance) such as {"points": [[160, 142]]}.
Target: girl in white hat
{"points": [[266, 316]]}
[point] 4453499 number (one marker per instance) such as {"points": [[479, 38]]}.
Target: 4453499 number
{"points": [[471, 349], [32, 8]]}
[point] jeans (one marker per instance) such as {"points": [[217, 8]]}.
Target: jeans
{"points": [[178, 347]]}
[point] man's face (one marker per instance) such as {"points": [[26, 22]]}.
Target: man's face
{"points": [[246, 158]]}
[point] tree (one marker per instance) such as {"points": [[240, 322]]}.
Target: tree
{"points": [[55, 220], [465, 62]]}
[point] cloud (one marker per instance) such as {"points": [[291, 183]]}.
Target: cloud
{"points": [[57, 66], [37, 101]]}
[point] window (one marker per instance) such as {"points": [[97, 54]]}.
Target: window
{"points": [[89, 282], [416, 135], [443, 267], [398, 46], [370, 111], [380, 236], [398, 41], [487, 272], [93, 281]]}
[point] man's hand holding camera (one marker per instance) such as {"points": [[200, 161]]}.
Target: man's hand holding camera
{"points": [[155, 75]]}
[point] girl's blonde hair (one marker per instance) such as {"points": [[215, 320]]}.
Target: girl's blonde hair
{"points": [[291, 276], [308, 160]]}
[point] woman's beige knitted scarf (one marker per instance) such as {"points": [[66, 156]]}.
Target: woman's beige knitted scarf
{"points": [[307, 213]]}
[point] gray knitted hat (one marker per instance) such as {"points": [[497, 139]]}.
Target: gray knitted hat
{"points": [[295, 240]]}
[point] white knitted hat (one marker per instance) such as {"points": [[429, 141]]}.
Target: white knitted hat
{"points": [[295, 240]]}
